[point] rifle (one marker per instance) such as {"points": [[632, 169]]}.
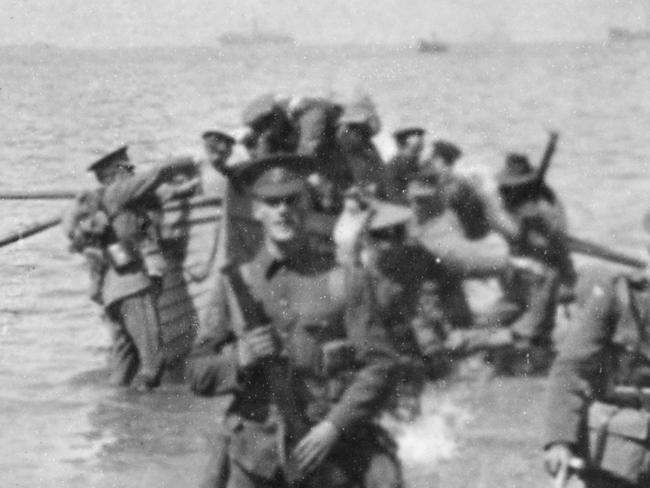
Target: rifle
{"points": [[588, 248], [249, 314], [38, 195], [545, 162], [33, 229]]}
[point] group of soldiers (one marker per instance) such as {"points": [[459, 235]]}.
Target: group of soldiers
{"points": [[314, 341]]}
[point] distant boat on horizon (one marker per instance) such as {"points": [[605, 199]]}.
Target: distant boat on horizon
{"points": [[623, 34], [620, 34], [256, 37], [432, 45]]}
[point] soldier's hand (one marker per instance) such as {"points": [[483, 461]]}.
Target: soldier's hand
{"points": [[558, 456], [527, 264], [312, 450], [257, 344]]}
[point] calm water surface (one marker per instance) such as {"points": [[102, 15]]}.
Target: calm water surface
{"points": [[61, 426]]}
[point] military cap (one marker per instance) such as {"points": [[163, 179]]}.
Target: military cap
{"points": [[261, 107], [448, 151], [386, 215], [401, 135], [518, 171], [361, 113], [219, 135], [110, 158], [275, 176], [423, 183]]}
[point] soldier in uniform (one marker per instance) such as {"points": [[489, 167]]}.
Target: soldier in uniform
{"points": [[599, 388], [444, 155], [357, 126], [307, 125], [305, 360], [213, 169], [461, 194], [209, 177], [435, 229], [135, 265], [269, 128], [404, 165], [534, 225]]}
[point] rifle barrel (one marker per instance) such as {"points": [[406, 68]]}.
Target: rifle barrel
{"points": [[546, 159], [33, 229], [583, 246], [38, 195]]}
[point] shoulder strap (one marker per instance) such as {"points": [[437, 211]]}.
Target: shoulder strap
{"points": [[246, 306]]}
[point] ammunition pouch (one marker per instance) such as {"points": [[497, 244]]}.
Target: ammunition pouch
{"points": [[121, 256], [154, 261], [619, 442]]}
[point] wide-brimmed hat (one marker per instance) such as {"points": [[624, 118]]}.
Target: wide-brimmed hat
{"points": [[518, 171]]}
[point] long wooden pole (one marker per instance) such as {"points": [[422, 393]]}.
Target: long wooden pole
{"points": [[37, 195], [588, 248], [29, 231]]}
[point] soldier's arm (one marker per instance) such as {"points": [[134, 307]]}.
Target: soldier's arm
{"points": [[577, 374], [213, 360], [312, 124], [372, 383], [131, 190], [471, 207], [469, 259]]}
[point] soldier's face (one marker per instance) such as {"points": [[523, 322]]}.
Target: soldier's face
{"points": [[440, 165], [217, 152], [414, 145], [283, 218]]}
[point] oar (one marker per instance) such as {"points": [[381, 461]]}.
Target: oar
{"points": [[29, 231], [37, 195], [583, 246]]}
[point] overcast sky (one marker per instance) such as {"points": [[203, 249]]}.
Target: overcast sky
{"points": [[108, 23]]}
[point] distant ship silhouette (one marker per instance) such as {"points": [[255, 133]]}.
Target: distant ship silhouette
{"points": [[256, 37], [623, 34], [432, 45]]}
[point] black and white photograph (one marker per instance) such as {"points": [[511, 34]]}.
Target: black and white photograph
{"points": [[324, 244]]}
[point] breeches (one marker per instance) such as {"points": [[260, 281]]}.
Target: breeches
{"points": [[136, 340]]}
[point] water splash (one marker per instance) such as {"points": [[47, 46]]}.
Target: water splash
{"points": [[433, 436]]}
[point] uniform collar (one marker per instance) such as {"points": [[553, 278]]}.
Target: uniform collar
{"points": [[271, 264]]}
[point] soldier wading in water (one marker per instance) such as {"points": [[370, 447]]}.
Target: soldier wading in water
{"points": [[289, 335], [598, 412]]}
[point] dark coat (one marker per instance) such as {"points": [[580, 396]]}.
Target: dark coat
{"points": [[310, 304], [397, 174], [588, 357]]}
